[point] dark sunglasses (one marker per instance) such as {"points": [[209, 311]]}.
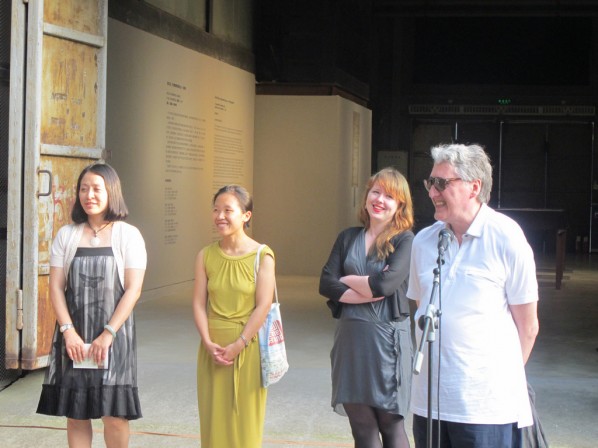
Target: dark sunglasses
{"points": [[438, 182]]}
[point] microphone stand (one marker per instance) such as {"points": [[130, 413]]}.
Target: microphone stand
{"points": [[430, 323]]}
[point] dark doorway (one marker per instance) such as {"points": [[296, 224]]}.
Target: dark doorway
{"points": [[537, 164]]}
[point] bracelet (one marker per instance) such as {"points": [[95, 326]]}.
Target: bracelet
{"points": [[65, 327], [245, 341], [110, 330]]}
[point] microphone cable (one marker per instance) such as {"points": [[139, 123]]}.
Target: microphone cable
{"points": [[450, 236], [439, 317]]}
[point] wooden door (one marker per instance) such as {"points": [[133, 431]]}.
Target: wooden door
{"points": [[60, 77]]}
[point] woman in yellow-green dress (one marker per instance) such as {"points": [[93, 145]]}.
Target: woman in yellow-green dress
{"points": [[229, 307]]}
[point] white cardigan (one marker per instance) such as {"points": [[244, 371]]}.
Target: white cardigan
{"points": [[127, 245]]}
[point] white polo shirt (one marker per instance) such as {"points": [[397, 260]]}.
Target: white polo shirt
{"points": [[482, 376]]}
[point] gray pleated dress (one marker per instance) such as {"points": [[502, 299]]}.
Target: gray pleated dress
{"points": [[371, 356], [93, 293]]}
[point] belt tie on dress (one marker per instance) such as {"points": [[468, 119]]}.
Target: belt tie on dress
{"points": [[237, 364], [239, 360]]}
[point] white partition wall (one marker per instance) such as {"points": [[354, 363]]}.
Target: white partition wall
{"points": [[312, 158], [179, 126]]}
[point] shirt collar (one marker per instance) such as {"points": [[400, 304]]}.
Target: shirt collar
{"points": [[476, 227]]}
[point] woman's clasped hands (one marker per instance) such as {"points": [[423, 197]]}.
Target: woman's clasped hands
{"points": [[224, 356]]}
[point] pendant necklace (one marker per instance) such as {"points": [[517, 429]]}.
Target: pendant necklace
{"points": [[95, 240]]}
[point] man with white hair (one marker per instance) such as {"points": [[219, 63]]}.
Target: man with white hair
{"points": [[488, 309]]}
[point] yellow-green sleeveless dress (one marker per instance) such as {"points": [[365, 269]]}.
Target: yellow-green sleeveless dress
{"points": [[232, 401]]}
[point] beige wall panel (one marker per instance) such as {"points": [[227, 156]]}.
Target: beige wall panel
{"points": [[80, 15], [179, 126], [69, 101], [312, 159]]}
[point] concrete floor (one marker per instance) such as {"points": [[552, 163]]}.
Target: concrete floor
{"points": [[563, 370]]}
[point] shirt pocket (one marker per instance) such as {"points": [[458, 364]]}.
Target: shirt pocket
{"points": [[484, 278]]}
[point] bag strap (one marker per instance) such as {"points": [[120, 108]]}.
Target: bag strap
{"points": [[256, 268]]}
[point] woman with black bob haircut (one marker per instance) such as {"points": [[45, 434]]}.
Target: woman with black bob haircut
{"points": [[97, 265], [117, 209]]}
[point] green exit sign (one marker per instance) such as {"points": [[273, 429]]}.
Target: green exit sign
{"points": [[504, 101]]}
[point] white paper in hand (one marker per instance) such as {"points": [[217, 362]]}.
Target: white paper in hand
{"points": [[89, 363]]}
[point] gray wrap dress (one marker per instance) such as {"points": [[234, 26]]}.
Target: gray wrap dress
{"points": [[372, 354]]}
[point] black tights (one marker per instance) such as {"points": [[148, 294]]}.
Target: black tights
{"points": [[368, 424]]}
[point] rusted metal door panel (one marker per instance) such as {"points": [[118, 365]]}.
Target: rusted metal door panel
{"points": [[55, 209], [64, 131], [69, 100], [78, 15], [53, 212]]}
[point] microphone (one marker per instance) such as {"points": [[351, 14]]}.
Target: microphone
{"points": [[445, 236]]}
